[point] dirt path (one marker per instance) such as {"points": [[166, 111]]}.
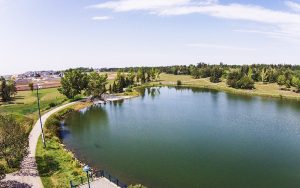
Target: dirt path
{"points": [[28, 174]]}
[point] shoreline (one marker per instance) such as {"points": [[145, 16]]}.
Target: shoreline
{"points": [[234, 91]]}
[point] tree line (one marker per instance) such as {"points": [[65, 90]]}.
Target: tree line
{"points": [[80, 80], [241, 76], [76, 81]]}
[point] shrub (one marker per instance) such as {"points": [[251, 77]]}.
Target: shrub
{"points": [[52, 104], [13, 141], [137, 186], [179, 83], [281, 80], [233, 78], [245, 83], [2, 172], [216, 74]]}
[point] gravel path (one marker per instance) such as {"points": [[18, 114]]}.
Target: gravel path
{"points": [[28, 174]]}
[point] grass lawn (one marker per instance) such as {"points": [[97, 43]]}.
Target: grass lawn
{"points": [[266, 90], [56, 165], [25, 102]]}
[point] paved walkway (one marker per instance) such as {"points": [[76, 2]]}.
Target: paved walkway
{"points": [[28, 174], [101, 182]]}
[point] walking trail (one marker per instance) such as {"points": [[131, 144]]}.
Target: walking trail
{"points": [[28, 174]]}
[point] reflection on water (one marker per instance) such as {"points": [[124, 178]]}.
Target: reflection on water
{"points": [[207, 138]]}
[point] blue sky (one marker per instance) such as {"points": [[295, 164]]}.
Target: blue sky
{"points": [[59, 34]]}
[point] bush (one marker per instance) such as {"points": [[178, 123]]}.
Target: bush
{"points": [[216, 74], [52, 104], [233, 78], [245, 83], [137, 186], [13, 142], [2, 172], [179, 83]]}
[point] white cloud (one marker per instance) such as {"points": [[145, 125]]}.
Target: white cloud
{"points": [[286, 23], [154, 5], [101, 18], [293, 5]]}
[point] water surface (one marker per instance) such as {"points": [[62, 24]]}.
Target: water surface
{"points": [[173, 138]]}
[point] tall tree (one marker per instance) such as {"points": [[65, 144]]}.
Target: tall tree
{"points": [[96, 84], [141, 75], [281, 80], [7, 89], [73, 82], [30, 85], [216, 74], [130, 77]]}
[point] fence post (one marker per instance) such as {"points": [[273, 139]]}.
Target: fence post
{"points": [[81, 179]]}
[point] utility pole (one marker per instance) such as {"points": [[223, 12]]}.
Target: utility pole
{"points": [[38, 99]]}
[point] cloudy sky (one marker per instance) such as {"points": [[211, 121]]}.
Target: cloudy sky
{"points": [[59, 34]]}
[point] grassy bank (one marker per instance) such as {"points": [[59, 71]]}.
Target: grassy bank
{"points": [[56, 165], [264, 90]]}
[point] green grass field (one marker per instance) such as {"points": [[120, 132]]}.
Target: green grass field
{"points": [[56, 165], [25, 102], [265, 90]]}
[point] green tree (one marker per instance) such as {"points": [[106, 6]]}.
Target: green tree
{"points": [[141, 75], [13, 141], [179, 83], [152, 74], [215, 75], [195, 73], [233, 78], [73, 82], [130, 77], [204, 72], [281, 80], [157, 74], [7, 89], [96, 84], [30, 85], [110, 89], [264, 75], [296, 83], [120, 82], [114, 87], [245, 83]]}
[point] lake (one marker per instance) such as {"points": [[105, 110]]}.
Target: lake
{"points": [[189, 138]]}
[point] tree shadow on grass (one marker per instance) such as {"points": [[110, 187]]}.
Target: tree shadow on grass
{"points": [[46, 165]]}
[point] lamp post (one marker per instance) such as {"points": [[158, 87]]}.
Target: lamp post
{"points": [[87, 169], [38, 99]]}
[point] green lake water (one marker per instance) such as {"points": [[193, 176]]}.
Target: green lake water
{"points": [[185, 138]]}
